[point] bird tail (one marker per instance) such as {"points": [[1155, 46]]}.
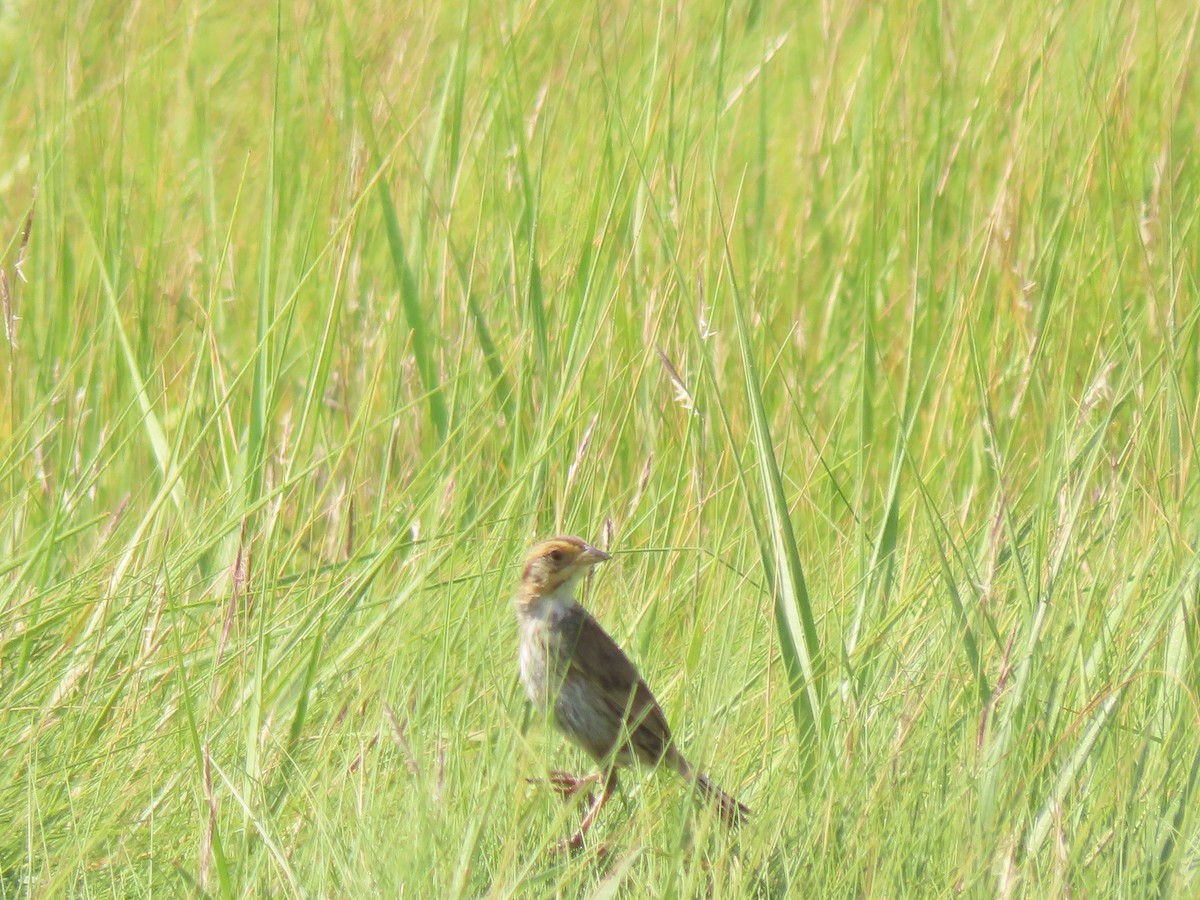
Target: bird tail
{"points": [[732, 811]]}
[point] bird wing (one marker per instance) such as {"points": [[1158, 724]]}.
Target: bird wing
{"points": [[598, 659]]}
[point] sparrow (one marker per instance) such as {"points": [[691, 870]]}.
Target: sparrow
{"points": [[573, 671]]}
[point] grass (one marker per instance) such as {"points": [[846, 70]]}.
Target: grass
{"points": [[864, 335]]}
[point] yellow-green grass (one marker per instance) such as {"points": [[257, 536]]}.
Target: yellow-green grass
{"points": [[865, 335]]}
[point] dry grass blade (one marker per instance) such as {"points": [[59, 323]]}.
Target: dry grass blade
{"points": [[26, 230], [682, 395], [397, 729], [10, 329], [581, 451]]}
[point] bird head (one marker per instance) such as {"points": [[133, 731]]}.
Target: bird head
{"points": [[556, 562]]}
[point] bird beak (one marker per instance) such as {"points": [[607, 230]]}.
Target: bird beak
{"points": [[590, 556]]}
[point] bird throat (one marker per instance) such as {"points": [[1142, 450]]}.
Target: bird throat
{"points": [[539, 601]]}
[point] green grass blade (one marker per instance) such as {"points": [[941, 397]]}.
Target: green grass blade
{"points": [[797, 630]]}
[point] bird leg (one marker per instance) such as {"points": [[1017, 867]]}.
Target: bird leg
{"points": [[575, 841]]}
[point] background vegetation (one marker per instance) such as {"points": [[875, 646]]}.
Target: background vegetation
{"points": [[864, 334]]}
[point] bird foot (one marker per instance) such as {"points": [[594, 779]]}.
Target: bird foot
{"points": [[567, 785]]}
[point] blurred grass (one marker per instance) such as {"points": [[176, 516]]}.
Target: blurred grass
{"points": [[324, 310]]}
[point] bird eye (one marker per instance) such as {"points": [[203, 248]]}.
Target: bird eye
{"points": [[556, 555]]}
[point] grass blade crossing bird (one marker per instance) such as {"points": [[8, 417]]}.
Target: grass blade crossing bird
{"points": [[571, 666]]}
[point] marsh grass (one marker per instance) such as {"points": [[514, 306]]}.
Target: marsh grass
{"points": [[865, 337]]}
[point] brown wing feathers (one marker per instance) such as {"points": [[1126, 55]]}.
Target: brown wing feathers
{"points": [[599, 659]]}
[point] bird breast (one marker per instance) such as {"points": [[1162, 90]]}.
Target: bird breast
{"points": [[542, 661]]}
